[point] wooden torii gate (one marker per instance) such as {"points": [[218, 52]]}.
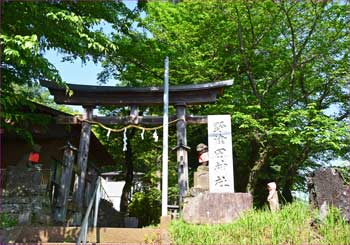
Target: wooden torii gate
{"points": [[91, 96]]}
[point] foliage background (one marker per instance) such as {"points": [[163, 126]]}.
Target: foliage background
{"points": [[290, 62]]}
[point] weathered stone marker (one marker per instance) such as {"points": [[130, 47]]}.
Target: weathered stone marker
{"points": [[326, 187]]}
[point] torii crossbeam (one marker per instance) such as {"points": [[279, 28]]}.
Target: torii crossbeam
{"points": [[87, 95]]}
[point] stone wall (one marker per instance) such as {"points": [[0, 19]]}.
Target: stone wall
{"points": [[24, 198]]}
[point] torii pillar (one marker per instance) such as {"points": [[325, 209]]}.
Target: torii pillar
{"points": [[82, 160], [181, 151]]}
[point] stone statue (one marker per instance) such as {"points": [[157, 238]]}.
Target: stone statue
{"points": [[273, 196], [203, 157], [201, 176]]}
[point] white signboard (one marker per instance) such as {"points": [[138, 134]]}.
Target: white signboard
{"points": [[220, 154]]}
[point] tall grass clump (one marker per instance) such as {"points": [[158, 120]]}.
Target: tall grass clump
{"points": [[290, 225], [334, 229]]}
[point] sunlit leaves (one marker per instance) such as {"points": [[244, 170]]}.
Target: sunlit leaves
{"points": [[28, 29], [289, 61]]}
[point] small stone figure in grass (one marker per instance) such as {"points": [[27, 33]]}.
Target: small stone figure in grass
{"points": [[273, 197], [203, 157]]}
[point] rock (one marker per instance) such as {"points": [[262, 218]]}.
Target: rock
{"points": [[216, 208], [25, 218], [327, 186], [323, 212]]}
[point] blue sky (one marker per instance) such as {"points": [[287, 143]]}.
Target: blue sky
{"points": [[76, 72]]}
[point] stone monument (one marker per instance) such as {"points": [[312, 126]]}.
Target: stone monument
{"points": [[212, 200], [327, 187]]}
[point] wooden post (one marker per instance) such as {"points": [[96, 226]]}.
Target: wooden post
{"points": [[97, 200], [64, 185], [181, 152], [82, 166]]}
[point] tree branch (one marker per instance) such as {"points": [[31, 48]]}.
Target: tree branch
{"points": [[311, 31], [246, 61], [251, 24], [302, 85], [294, 57]]}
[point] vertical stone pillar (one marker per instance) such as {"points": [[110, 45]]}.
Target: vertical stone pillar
{"points": [[65, 183], [82, 160], [181, 151]]}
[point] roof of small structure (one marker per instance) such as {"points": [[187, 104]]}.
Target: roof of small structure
{"points": [[53, 131], [87, 95]]}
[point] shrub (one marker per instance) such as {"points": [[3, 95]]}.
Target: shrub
{"points": [[7, 221]]}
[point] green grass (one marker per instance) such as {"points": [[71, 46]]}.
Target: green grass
{"points": [[291, 225]]}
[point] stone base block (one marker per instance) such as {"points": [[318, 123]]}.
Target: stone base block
{"points": [[196, 191], [216, 208], [201, 179]]}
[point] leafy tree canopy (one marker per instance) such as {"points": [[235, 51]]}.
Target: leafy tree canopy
{"points": [[28, 29], [289, 61]]}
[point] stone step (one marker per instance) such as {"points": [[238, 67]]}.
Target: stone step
{"points": [[95, 235]]}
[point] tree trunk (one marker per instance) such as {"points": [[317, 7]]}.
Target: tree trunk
{"points": [[129, 167], [286, 191], [259, 163], [291, 173]]}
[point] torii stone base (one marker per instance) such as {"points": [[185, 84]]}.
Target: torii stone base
{"points": [[216, 208]]}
